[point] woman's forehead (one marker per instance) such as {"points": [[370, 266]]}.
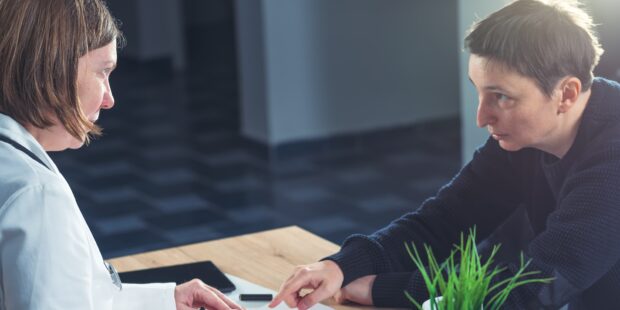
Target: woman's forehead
{"points": [[104, 54], [494, 74]]}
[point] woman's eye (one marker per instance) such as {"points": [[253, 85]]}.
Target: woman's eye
{"points": [[107, 71], [503, 100], [501, 97]]}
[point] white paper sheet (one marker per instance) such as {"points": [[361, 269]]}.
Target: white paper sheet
{"points": [[246, 287]]}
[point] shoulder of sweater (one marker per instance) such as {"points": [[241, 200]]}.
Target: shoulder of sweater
{"points": [[604, 103], [601, 151]]}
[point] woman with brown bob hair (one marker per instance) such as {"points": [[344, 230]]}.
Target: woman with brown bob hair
{"points": [[56, 57]]}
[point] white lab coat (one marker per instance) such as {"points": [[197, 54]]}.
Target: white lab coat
{"points": [[48, 257]]}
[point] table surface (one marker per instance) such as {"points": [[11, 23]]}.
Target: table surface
{"points": [[266, 258]]}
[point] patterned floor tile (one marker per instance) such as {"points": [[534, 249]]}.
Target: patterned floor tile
{"points": [[120, 224]]}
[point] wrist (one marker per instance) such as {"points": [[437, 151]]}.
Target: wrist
{"points": [[356, 258], [334, 269], [388, 290]]}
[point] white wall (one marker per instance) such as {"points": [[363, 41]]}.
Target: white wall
{"points": [[472, 136], [341, 66]]}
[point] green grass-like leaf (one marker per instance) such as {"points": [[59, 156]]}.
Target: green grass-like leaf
{"points": [[467, 282]]}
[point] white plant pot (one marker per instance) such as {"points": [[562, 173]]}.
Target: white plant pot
{"points": [[427, 304]]}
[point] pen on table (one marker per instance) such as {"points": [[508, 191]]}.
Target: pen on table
{"points": [[252, 297], [255, 297]]}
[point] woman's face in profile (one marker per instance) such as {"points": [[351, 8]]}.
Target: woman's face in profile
{"points": [[94, 90], [512, 107], [94, 70]]}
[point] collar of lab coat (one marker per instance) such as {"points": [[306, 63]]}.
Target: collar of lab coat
{"points": [[16, 132]]}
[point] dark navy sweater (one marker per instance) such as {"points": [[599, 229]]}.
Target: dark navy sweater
{"points": [[563, 214]]}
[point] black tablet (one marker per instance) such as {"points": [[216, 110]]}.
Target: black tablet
{"points": [[205, 271]]}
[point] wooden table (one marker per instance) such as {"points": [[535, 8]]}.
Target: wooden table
{"points": [[265, 258]]}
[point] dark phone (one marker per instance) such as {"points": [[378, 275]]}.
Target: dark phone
{"points": [[205, 271]]}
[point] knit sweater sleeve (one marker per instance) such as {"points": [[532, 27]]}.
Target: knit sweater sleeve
{"points": [[482, 194]]}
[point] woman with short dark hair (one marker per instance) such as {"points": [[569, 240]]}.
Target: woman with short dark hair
{"points": [[545, 183], [56, 57]]}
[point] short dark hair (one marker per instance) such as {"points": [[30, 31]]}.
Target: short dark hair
{"points": [[545, 40], [42, 41]]}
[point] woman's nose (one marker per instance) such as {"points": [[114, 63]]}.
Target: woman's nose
{"points": [[485, 115], [108, 98]]}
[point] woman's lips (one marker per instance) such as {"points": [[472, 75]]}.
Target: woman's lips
{"points": [[499, 136]]}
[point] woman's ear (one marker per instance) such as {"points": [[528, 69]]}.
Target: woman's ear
{"points": [[569, 91]]}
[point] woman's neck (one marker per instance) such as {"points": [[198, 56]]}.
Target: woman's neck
{"points": [[569, 127], [51, 139]]}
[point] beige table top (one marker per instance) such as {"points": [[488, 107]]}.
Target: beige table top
{"points": [[266, 258]]}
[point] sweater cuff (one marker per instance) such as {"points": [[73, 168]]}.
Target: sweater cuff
{"points": [[388, 290], [354, 260]]}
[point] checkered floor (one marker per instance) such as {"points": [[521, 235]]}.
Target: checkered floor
{"points": [[172, 169]]}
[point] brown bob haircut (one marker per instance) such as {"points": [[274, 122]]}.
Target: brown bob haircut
{"points": [[542, 40], [40, 44]]}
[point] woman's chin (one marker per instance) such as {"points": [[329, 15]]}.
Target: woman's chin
{"points": [[74, 143], [511, 147]]}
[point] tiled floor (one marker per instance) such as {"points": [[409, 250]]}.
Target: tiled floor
{"points": [[172, 169]]}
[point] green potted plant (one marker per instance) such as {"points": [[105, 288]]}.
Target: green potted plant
{"points": [[464, 281]]}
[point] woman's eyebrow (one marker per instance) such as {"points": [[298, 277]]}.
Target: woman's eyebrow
{"points": [[492, 87], [496, 88]]}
